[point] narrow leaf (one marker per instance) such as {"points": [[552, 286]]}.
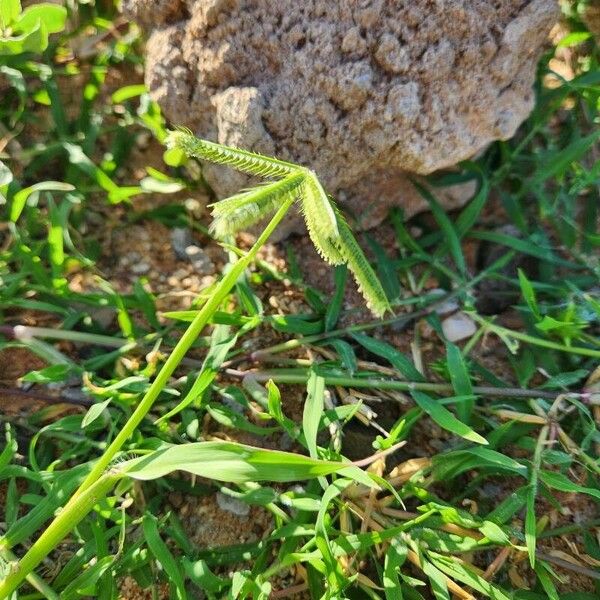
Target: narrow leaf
{"points": [[445, 419]]}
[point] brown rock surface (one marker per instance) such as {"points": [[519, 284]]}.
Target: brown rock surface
{"points": [[363, 91]]}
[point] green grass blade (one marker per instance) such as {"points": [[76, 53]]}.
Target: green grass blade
{"points": [[461, 382], [313, 410], [445, 419], [448, 229], [236, 463], [163, 555]]}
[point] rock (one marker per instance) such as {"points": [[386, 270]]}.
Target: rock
{"points": [[362, 91], [458, 326], [201, 262], [181, 238], [232, 505], [184, 249], [447, 306], [591, 17], [140, 268]]}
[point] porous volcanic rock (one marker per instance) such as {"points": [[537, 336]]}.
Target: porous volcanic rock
{"points": [[362, 91]]}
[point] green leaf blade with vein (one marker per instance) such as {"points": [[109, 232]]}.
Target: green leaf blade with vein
{"points": [[445, 419], [236, 463]]}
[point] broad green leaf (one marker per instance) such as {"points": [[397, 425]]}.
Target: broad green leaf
{"points": [[452, 464], [335, 306], [511, 505], [395, 557], [560, 482], [163, 555], [50, 374], [151, 184], [81, 161], [87, 580], [203, 577], [35, 40], [529, 246], [229, 418], [94, 412], [574, 38], [529, 294], [346, 354], [221, 342], [296, 324], [313, 410], [437, 580], [563, 381], [469, 215], [461, 382], [444, 418], [127, 92], [386, 270], [384, 350], [546, 581], [459, 571], [51, 16], [494, 533], [9, 12], [237, 463], [20, 198], [556, 163], [447, 227], [10, 449]]}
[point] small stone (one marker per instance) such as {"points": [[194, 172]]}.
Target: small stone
{"points": [[391, 55], [458, 327], [181, 238], [448, 306], [140, 268], [201, 262], [232, 505]]}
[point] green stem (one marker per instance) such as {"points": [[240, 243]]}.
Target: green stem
{"points": [[62, 525], [182, 346], [34, 580], [300, 376], [25, 333], [524, 337], [97, 483]]}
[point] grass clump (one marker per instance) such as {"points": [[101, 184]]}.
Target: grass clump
{"points": [[478, 459]]}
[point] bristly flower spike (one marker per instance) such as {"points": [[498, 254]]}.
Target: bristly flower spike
{"points": [[326, 227]]}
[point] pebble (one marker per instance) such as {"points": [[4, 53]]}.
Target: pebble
{"points": [[450, 305], [232, 505], [201, 262], [458, 326], [181, 238], [140, 268]]}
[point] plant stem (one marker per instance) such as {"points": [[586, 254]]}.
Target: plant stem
{"points": [[403, 319], [524, 337], [34, 580], [300, 376], [182, 346], [26, 332], [97, 483], [66, 520]]}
